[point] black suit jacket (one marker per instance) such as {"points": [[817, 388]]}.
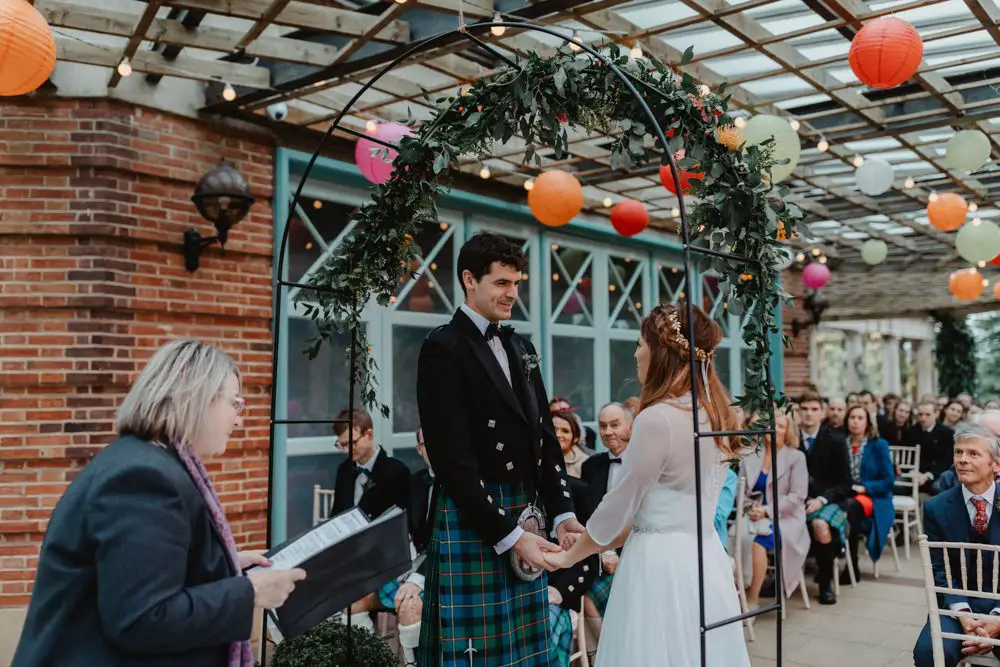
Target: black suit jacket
{"points": [[132, 571], [480, 429], [573, 582], [389, 485], [829, 465], [594, 473], [937, 447], [421, 508]]}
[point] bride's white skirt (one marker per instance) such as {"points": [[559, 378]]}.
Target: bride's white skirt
{"points": [[652, 615]]}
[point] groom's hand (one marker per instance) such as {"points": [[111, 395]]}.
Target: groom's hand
{"points": [[567, 532], [532, 549]]}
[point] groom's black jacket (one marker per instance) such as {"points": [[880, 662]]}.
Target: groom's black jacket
{"points": [[479, 429]]}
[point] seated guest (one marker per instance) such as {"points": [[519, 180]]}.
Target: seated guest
{"points": [[790, 470], [829, 491], [892, 429], [952, 413], [936, 443], [872, 478], [569, 434], [587, 436], [139, 565], [965, 513], [992, 404], [836, 411]]}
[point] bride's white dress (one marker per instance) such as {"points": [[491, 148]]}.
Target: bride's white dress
{"points": [[652, 614]]}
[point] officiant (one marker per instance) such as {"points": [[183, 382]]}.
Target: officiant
{"points": [[499, 468]]}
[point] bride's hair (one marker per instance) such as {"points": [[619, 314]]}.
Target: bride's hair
{"points": [[665, 331]]}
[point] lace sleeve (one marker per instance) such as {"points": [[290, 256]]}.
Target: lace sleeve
{"points": [[642, 464]]}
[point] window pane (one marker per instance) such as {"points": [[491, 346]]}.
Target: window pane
{"points": [[713, 304], [573, 373], [571, 272], [324, 223], [406, 342], [303, 473], [625, 301], [624, 383], [722, 367], [317, 388], [432, 291], [671, 284]]}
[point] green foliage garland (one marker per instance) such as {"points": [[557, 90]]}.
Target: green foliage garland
{"points": [[734, 208], [955, 355]]}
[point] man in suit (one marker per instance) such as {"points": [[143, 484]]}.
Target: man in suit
{"points": [[829, 487], [965, 513], [836, 413], [936, 442], [489, 436]]}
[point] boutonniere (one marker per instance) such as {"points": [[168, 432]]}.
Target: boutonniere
{"points": [[530, 362]]}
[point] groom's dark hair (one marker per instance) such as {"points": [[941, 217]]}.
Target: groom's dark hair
{"points": [[484, 248]]}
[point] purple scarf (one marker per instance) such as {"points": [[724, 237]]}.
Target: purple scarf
{"points": [[240, 653]]}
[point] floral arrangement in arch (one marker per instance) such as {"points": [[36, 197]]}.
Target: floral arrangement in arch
{"points": [[734, 207]]}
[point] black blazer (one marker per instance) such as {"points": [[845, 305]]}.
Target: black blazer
{"points": [[480, 429], [389, 485], [594, 474], [829, 465], [132, 571], [573, 582], [937, 447], [421, 508]]}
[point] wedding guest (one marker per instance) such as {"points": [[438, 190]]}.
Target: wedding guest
{"points": [[965, 399], [867, 400], [790, 468], [872, 476], [852, 399], [836, 411], [139, 566], [588, 438], [936, 443], [568, 434], [893, 429], [992, 404], [954, 411], [965, 513]]}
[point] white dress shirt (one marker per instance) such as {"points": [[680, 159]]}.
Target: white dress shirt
{"points": [[614, 470], [496, 345], [989, 496]]}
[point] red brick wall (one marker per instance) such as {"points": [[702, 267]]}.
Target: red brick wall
{"points": [[796, 356], [94, 200]]}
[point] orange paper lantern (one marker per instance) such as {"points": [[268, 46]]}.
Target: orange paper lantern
{"points": [[667, 178], [629, 217], [556, 198], [948, 211], [27, 48], [886, 52], [966, 284]]}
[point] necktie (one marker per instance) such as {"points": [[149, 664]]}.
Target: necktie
{"points": [[979, 522], [811, 441]]}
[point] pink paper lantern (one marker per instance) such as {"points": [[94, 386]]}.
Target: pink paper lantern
{"points": [[815, 275], [368, 154]]}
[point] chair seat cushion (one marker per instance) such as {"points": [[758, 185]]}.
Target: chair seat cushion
{"points": [[904, 503]]}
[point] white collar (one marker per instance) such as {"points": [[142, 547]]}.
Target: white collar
{"points": [[812, 435], [371, 462], [988, 495], [481, 322]]}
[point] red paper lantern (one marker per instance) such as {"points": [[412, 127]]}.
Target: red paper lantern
{"points": [[629, 217], [886, 52], [995, 262], [966, 284], [948, 211], [667, 178], [27, 48], [556, 198]]}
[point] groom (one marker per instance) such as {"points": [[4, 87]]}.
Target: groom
{"points": [[490, 440]]}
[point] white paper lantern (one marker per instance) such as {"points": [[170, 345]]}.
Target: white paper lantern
{"points": [[875, 176], [874, 251], [967, 150], [978, 241], [786, 142]]}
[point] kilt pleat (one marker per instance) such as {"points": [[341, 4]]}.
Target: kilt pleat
{"points": [[600, 591], [472, 600], [835, 516], [561, 627]]}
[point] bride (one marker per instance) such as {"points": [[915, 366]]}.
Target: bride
{"points": [[652, 618]]}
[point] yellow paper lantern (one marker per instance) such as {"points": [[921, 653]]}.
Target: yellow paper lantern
{"points": [[27, 48]]}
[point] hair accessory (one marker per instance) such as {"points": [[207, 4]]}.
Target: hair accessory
{"points": [[676, 337]]}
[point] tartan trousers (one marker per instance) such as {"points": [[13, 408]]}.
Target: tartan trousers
{"points": [[476, 612]]}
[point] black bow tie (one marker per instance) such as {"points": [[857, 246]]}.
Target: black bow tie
{"points": [[361, 470], [616, 459], [494, 330]]}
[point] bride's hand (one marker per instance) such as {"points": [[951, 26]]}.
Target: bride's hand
{"points": [[558, 560]]}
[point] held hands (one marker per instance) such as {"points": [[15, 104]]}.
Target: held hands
{"points": [[609, 562], [272, 587], [533, 550], [567, 532]]}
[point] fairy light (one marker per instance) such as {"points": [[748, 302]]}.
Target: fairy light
{"points": [[229, 93], [484, 173], [576, 48], [909, 183], [498, 28], [607, 202], [816, 252], [528, 184], [317, 204], [821, 260], [932, 196], [675, 212], [801, 257], [973, 207], [636, 52], [976, 222], [704, 90], [371, 125], [125, 67], [795, 124], [740, 122], [823, 146], [858, 161], [982, 265]]}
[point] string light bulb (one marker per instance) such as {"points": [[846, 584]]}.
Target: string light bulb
{"points": [[982, 265], [528, 184], [400, 2], [636, 52], [801, 257], [498, 28], [976, 222], [229, 93], [973, 207], [909, 183], [607, 202], [484, 173], [816, 252], [125, 67], [675, 212], [932, 196], [858, 161], [821, 260], [704, 90], [823, 146], [575, 48], [795, 124], [740, 122], [371, 125]]}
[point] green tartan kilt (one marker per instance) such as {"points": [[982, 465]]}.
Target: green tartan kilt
{"points": [[473, 600], [600, 591], [835, 517], [561, 627], [387, 593]]}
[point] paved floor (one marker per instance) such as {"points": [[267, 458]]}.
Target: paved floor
{"points": [[873, 625]]}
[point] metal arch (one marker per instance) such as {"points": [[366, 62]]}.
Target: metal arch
{"points": [[628, 81]]}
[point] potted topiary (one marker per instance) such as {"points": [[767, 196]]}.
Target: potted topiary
{"points": [[326, 646]]}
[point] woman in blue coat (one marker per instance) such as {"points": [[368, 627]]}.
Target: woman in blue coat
{"points": [[873, 476]]}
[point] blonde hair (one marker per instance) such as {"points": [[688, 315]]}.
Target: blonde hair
{"points": [[170, 398]]}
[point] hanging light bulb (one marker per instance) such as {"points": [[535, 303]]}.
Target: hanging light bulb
{"points": [[528, 184], [498, 28], [909, 183], [607, 202], [229, 93], [801, 257], [795, 124], [636, 52], [576, 48], [815, 252], [821, 260], [125, 67], [675, 212], [858, 161], [823, 146], [704, 90], [740, 122], [400, 2], [371, 125], [932, 196], [973, 207], [484, 173], [982, 265], [976, 222]]}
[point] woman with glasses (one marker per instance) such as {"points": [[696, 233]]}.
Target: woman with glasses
{"points": [[139, 565]]}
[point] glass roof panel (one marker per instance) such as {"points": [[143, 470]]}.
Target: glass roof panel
{"points": [[718, 38], [732, 67], [785, 84]]}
